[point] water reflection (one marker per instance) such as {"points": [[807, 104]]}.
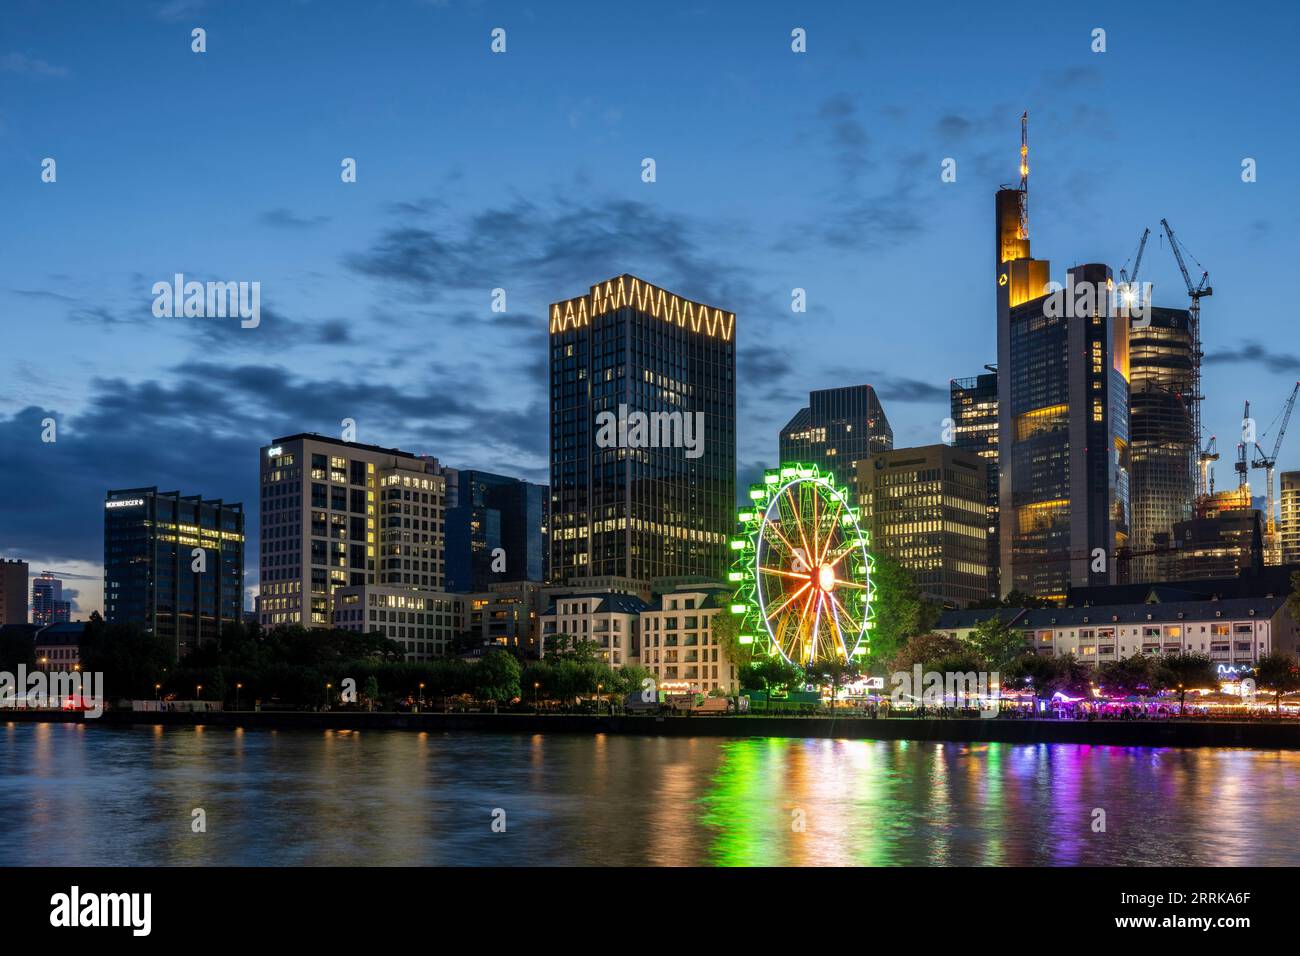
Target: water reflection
{"points": [[76, 796]]}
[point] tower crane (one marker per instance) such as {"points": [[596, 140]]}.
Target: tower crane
{"points": [[1196, 292], [1208, 454], [1243, 475], [1129, 283], [1272, 547]]}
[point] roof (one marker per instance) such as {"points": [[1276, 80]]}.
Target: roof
{"points": [[710, 599], [607, 603], [1165, 612], [63, 633], [1274, 579]]}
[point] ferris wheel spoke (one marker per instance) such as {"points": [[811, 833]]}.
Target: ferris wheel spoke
{"points": [[788, 600], [787, 574], [830, 531], [841, 583]]}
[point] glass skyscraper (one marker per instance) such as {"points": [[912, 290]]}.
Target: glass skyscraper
{"points": [[487, 512], [150, 538], [838, 428], [975, 428], [643, 434]]}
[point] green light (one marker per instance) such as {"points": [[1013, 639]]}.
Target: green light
{"points": [[757, 494], [737, 609], [737, 544], [735, 576], [746, 516], [770, 479], [747, 638]]}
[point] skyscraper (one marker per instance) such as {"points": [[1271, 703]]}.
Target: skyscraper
{"points": [[1164, 452], [975, 428], [491, 517], [1062, 416], [927, 508], [13, 591], [1289, 526], [643, 434], [173, 564], [839, 428], [48, 606], [343, 514]]}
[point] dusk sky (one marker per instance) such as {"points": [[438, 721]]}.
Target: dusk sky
{"points": [[522, 170]]}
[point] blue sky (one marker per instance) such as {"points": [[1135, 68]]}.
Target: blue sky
{"points": [[522, 170]]}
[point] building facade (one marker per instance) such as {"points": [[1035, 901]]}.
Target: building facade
{"points": [[927, 508], [58, 646], [679, 645], [610, 620], [974, 403], [1289, 517], [343, 514], [642, 434], [1063, 431], [48, 605], [839, 428], [1163, 450], [508, 615], [13, 591], [1224, 539], [422, 620], [1233, 632], [495, 530], [173, 564]]}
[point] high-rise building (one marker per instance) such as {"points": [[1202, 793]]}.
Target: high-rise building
{"points": [[837, 429], [1063, 437], [927, 509], [643, 434], [1163, 450], [48, 605], [1224, 539], [342, 514], [13, 591], [975, 429], [496, 530], [1289, 527], [173, 564]]}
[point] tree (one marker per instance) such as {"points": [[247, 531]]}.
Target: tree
{"points": [[900, 611], [1182, 671], [929, 650], [769, 674], [1280, 673], [836, 673], [1130, 677], [131, 660], [1293, 599], [997, 641], [1032, 672], [371, 691], [496, 677]]}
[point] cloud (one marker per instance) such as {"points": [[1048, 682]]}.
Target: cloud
{"points": [[764, 363], [30, 66], [176, 10], [282, 218], [1252, 353]]}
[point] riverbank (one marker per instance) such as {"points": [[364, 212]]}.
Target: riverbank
{"points": [[1111, 733]]}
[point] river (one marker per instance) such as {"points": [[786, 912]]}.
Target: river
{"points": [[77, 795]]}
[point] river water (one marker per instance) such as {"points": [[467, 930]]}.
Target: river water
{"points": [[76, 795]]}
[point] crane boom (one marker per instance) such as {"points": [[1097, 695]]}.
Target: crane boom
{"points": [[1137, 261], [1272, 547]]}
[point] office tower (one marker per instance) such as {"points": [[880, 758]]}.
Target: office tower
{"points": [[1224, 539], [173, 564], [1163, 451], [927, 508], [1289, 528], [1063, 488], [838, 428], [495, 529], [342, 514], [974, 403], [13, 591], [643, 434], [48, 606]]}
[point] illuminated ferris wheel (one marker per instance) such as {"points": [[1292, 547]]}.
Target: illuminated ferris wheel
{"points": [[802, 569]]}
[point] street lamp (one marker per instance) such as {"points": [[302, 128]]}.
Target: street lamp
{"points": [[599, 705], [536, 705], [421, 693], [238, 688], [157, 691], [327, 694]]}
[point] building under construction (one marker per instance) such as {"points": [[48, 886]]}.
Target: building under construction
{"points": [[1225, 538], [1163, 447]]}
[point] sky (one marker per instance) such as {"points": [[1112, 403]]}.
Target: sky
{"points": [[522, 170]]}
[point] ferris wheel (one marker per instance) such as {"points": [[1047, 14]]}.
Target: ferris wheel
{"points": [[802, 569]]}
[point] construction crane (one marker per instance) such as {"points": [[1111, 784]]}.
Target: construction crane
{"points": [[1242, 469], [1209, 454], [1196, 293], [1272, 547], [1137, 264]]}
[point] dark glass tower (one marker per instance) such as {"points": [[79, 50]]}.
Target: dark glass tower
{"points": [[620, 505], [149, 542], [1161, 382], [975, 429], [491, 512], [839, 428]]}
